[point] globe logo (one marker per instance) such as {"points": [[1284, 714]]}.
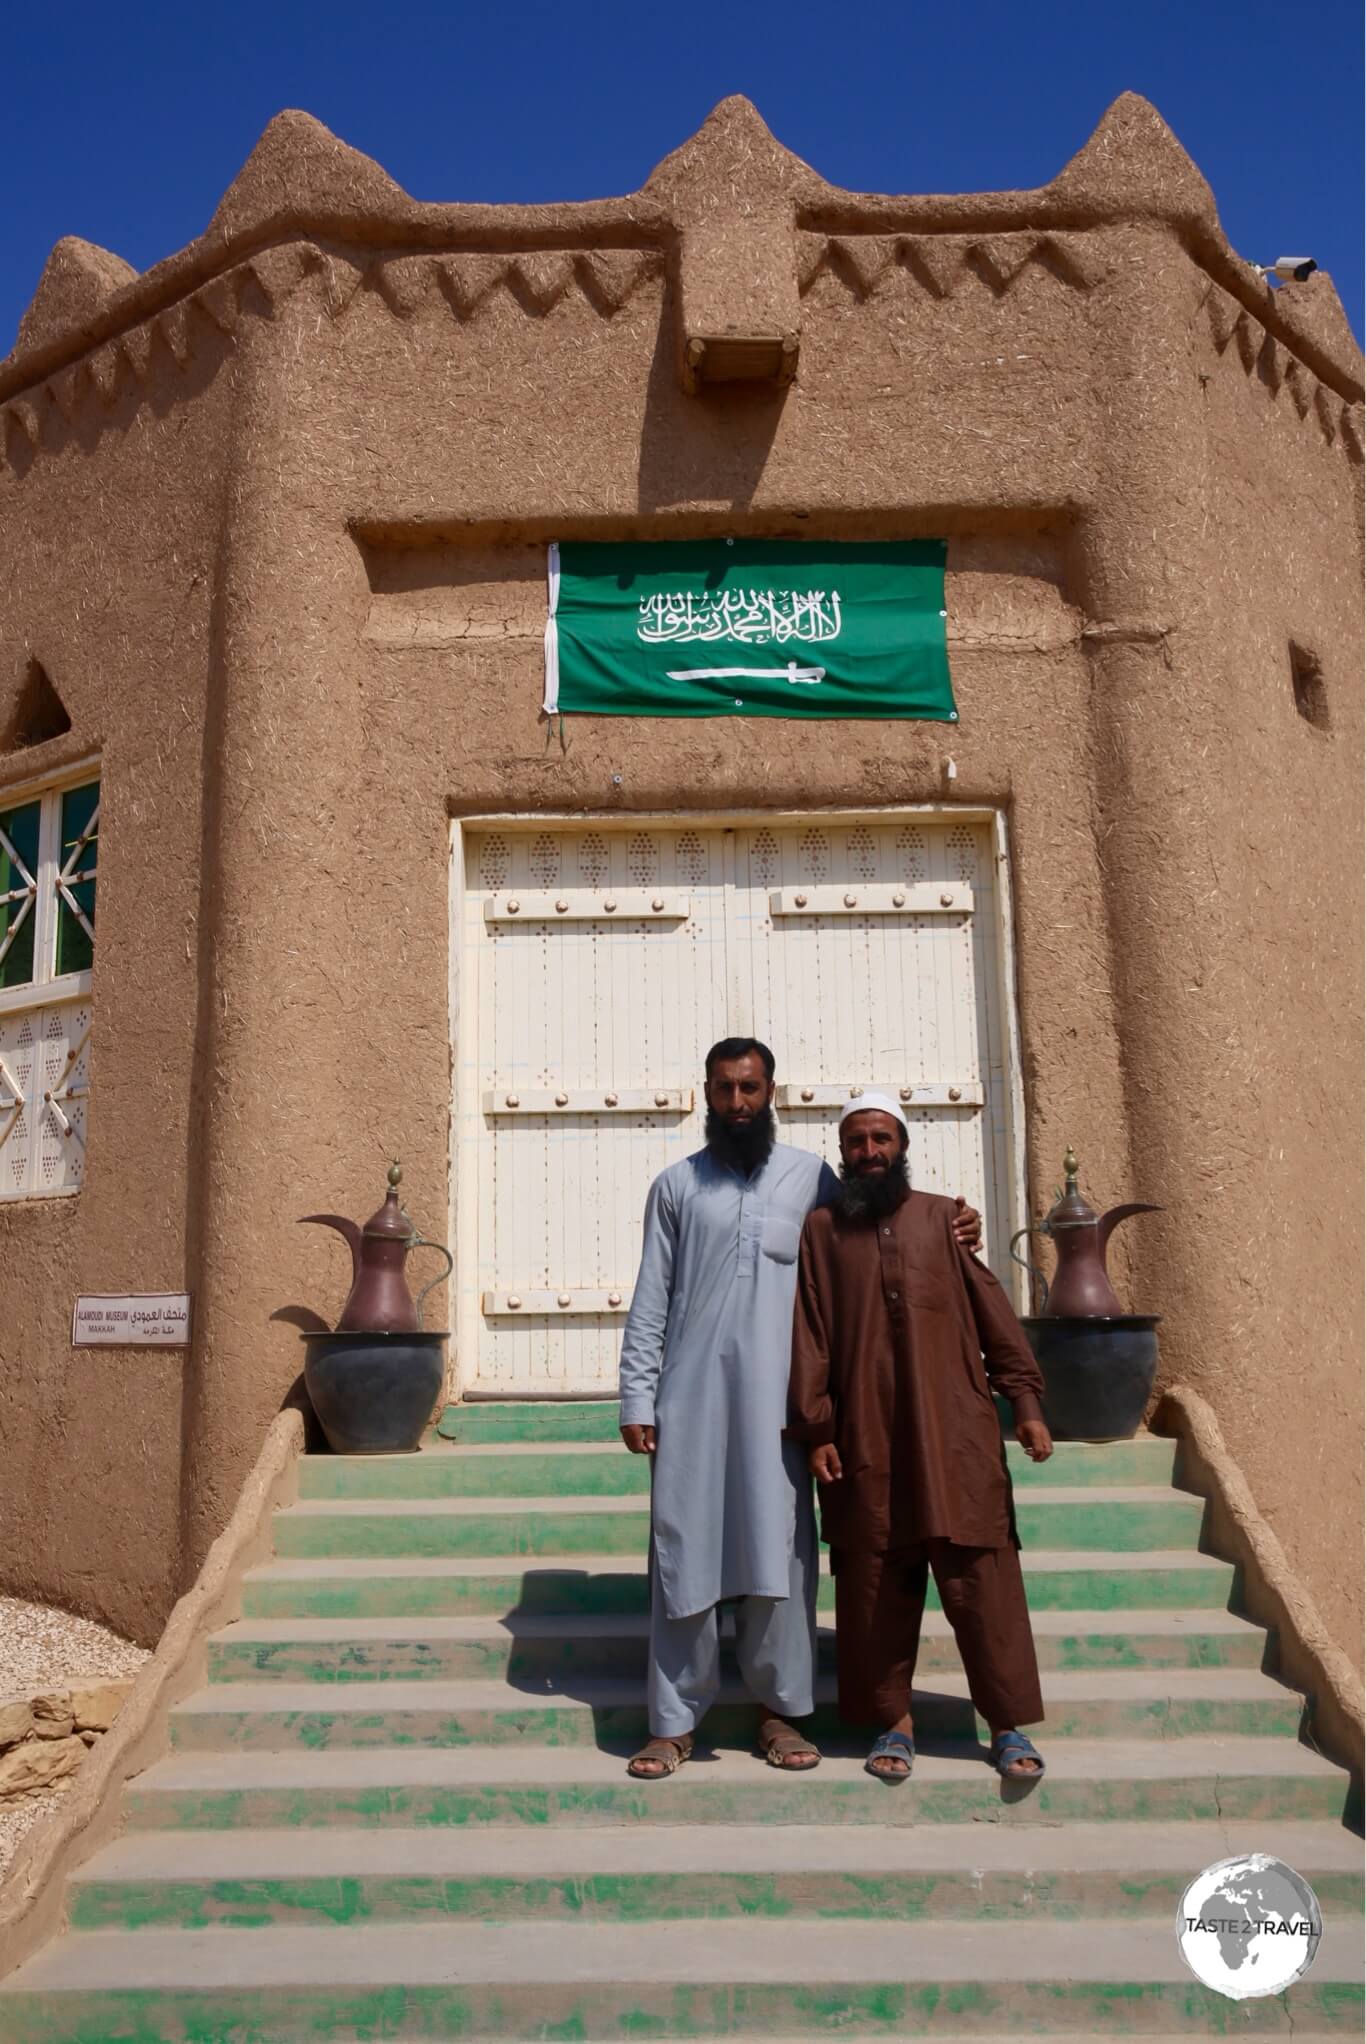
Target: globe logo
{"points": [[1249, 1926]]}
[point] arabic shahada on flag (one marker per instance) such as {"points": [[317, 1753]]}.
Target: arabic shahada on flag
{"points": [[749, 628]]}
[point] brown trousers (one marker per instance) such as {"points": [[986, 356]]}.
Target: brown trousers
{"points": [[879, 1603]]}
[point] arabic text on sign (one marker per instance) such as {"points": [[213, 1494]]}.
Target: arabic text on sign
{"points": [[132, 1320]]}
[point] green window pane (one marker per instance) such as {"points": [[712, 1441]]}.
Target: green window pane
{"points": [[18, 889], [76, 894]]}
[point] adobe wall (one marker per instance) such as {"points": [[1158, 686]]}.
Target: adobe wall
{"points": [[409, 426], [110, 530], [1234, 870]]}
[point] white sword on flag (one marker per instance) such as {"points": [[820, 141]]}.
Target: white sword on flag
{"points": [[802, 677]]}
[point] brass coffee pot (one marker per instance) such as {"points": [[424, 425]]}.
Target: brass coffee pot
{"points": [[1081, 1287], [379, 1301]]}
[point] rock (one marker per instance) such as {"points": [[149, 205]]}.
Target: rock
{"points": [[37, 1764], [16, 1722], [52, 1715], [95, 1705], [87, 1737]]}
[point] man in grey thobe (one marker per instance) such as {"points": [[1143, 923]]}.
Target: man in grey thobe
{"points": [[704, 1373]]}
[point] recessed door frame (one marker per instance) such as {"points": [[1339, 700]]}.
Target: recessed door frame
{"points": [[463, 1165]]}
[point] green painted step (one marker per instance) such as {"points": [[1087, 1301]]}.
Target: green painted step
{"points": [[1057, 1580], [413, 1730], [383, 1787], [584, 1981], [557, 1649], [585, 1419], [1117, 2007], [529, 1469], [249, 1716], [237, 1880], [485, 1421], [1118, 1520]]}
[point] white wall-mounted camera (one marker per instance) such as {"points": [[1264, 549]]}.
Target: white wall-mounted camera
{"points": [[1289, 269]]}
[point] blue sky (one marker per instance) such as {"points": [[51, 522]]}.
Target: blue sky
{"points": [[125, 124]]}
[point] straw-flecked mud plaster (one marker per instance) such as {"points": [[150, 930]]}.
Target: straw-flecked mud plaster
{"points": [[277, 511]]}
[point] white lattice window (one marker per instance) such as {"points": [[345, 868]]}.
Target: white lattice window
{"points": [[48, 841]]}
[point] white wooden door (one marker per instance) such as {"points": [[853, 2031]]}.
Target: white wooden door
{"points": [[597, 966]]}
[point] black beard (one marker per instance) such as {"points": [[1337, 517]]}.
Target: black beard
{"points": [[869, 1199], [744, 1148]]}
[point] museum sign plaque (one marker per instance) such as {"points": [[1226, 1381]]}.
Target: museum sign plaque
{"points": [[132, 1320]]}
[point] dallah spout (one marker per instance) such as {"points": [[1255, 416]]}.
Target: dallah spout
{"points": [[1108, 1222], [350, 1229]]}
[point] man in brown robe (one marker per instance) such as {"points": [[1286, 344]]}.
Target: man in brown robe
{"points": [[889, 1393]]}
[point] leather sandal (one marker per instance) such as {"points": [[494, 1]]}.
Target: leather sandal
{"points": [[891, 1746], [781, 1744], [1007, 1748], [661, 1757]]}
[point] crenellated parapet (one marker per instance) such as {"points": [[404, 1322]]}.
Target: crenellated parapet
{"points": [[740, 230], [202, 328]]}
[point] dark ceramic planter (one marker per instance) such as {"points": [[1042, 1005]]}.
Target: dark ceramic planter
{"points": [[374, 1393], [1098, 1374]]}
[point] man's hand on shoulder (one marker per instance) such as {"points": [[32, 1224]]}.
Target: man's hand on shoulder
{"points": [[640, 1440], [1034, 1437], [967, 1225]]}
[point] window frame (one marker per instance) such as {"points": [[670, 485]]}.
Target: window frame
{"points": [[48, 988]]}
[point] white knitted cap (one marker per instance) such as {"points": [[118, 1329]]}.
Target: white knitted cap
{"points": [[866, 1103]]}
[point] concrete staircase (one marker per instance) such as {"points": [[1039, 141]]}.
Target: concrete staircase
{"points": [[398, 1810]]}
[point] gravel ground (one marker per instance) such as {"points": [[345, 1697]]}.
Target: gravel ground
{"points": [[44, 1648], [18, 1818]]}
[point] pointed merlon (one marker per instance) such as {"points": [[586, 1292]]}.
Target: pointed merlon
{"points": [[732, 191], [733, 164], [300, 176], [77, 284], [1134, 167]]}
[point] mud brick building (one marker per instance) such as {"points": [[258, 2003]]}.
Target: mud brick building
{"points": [[274, 520]]}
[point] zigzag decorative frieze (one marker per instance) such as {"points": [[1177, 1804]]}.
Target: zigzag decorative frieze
{"points": [[1239, 337], [69, 390], [935, 266], [175, 329], [137, 346], [535, 281], [540, 281], [941, 264], [1224, 315], [21, 419], [1352, 430], [998, 262], [336, 279], [402, 284], [1300, 384], [858, 261], [466, 281], [218, 301]]}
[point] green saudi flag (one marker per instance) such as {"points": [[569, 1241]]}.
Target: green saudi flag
{"points": [[749, 628]]}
